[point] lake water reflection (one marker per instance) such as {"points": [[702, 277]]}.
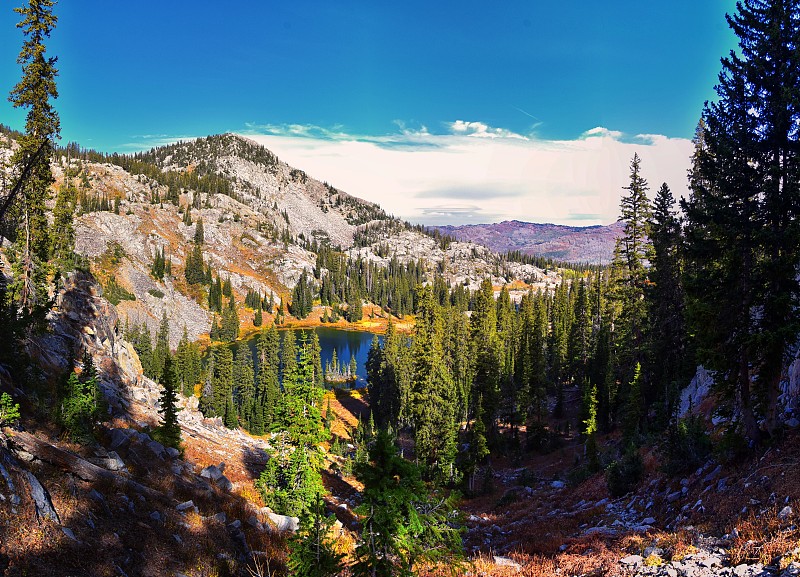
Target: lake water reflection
{"points": [[346, 344]]}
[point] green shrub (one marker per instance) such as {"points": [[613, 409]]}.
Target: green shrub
{"points": [[624, 474], [115, 293], [541, 439], [9, 410], [687, 446], [80, 406], [156, 293]]}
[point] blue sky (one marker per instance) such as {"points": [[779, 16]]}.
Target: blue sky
{"points": [[410, 76]]}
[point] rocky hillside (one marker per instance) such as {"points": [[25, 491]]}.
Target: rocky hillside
{"points": [[126, 505], [260, 229], [593, 244]]}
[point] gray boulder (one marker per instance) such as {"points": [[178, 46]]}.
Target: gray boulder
{"points": [[284, 522], [41, 498]]}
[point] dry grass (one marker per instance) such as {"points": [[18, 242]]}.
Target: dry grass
{"points": [[764, 538]]}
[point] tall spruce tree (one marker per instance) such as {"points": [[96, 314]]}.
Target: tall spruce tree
{"points": [[267, 384], [631, 324], [433, 402], [487, 355], [35, 91], [244, 392], [169, 432], [670, 356], [23, 216], [743, 215]]}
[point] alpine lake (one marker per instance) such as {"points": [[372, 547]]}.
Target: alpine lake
{"points": [[347, 345]]}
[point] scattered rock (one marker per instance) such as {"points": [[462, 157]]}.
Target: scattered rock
{"points": [[506, 562], [785, 513], [121, 439], [632, 560], [185, 506], [212, 473], [558, 484], [157, 449], [41, 498], [224, 483], [68, 532], [284, 522]]}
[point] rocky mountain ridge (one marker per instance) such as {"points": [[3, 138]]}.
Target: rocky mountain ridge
{"points": [[258, 235], [592, 244]]}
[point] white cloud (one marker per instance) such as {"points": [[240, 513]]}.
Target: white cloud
{"points": [[418, 176], [481, 130]]}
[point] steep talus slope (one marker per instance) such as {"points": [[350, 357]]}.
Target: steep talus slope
{"points": [[273, 188]]}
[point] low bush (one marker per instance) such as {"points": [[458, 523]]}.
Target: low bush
{"points": [[624, 474]]}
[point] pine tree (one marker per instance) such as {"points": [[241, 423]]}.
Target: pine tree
{"points": [[34, 92], [169, 432], [199, 232], [222, 381], [302, 298], [402, 525], [487, 355], [633, 408], [62, 236], [590, 430], [432, 397], [311, 550], [268, 386], [671, 360], [158, 267], [230, 322], [161, 349], [561, 323], [258, 319], [630, 326], [291, 480], [244, 385], [743, 218]]}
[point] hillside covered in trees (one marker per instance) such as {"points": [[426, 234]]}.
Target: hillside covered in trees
{"points": [[638, 417]]}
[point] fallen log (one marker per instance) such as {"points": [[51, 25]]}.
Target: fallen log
{"points": [[76, 465]]}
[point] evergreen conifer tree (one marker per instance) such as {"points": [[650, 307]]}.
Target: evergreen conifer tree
{"points": [[743, 218], [169, 432]]}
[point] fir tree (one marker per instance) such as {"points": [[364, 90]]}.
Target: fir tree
{"points": [[62, 236], [222, 380], [487, 355], [169, 432], [671, 360], [432, 399], [35, 91], [244, 385], [743, 218], [199, 232], [311, 550], [268, 387], [402, 525]]}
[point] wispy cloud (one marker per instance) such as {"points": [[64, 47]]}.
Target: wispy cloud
{"points": [[499, 174]]}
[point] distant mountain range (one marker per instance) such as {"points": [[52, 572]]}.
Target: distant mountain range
{"points": [[593, 244]]}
